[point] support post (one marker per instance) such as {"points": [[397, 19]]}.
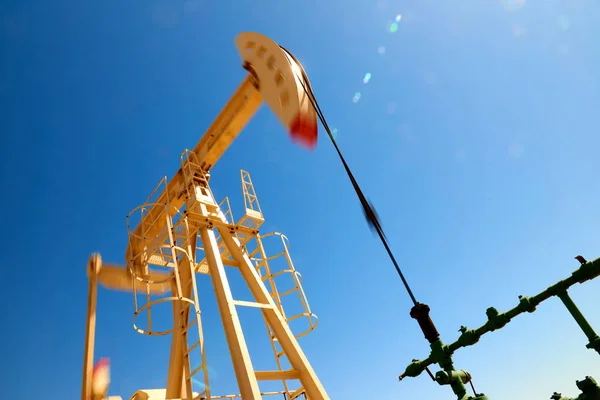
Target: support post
{"points": [[94, 265], [581, 321], [177, 385], [240, 357]]}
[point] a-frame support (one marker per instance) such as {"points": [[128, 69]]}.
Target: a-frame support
{"points": [[301, 367], [240, 357], [246, 376]]}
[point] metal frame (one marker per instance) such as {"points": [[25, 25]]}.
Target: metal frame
{"points": [[181, 231]]}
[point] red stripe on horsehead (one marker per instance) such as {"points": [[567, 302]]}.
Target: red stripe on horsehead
{"points": [[304, 130]]}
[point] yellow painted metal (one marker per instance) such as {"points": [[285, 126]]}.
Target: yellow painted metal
{"points": [[232, 119], [240, 356], [94, 267], [308, 378], [181, 230]]}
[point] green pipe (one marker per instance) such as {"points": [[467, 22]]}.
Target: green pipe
{"points": [[581, 321], [442, 354]]}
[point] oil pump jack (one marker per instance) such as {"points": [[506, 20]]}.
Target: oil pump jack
{"points": [[181, 231]]}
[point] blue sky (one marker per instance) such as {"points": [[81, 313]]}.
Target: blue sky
{"points": [[475, 137]]}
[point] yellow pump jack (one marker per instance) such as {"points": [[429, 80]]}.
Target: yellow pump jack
{"points": [[181, 231]]}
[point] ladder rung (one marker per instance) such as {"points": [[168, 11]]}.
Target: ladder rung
{"points": [[251, 304], [192, 348], [194, 372], [187, 328], [288, 292], [277, 375], [185, 308]]}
